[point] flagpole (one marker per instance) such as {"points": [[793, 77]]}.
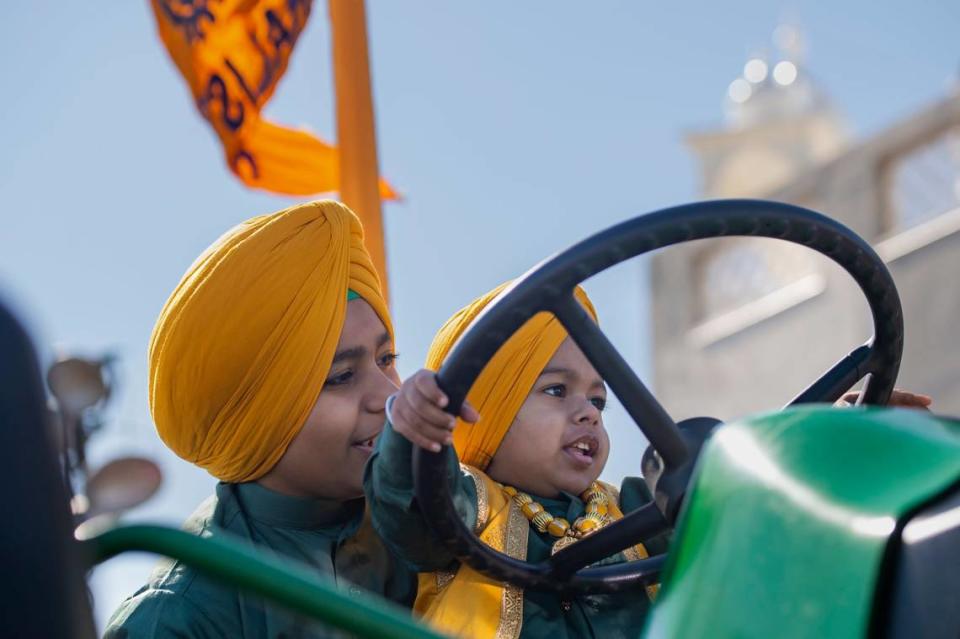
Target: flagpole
{"points": [[356, 133]]}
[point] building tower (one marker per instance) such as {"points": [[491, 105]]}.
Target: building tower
{"points": [[777, 124], [744, 324]]}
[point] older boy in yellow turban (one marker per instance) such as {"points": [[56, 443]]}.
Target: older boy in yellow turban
{"points": [[269, 367], [528, 487]]}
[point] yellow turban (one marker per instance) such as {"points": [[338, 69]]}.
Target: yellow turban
{"points": [[506, 380], [244, 344]]}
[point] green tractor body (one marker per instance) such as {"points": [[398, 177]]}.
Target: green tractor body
{"points": [[796, 525]]}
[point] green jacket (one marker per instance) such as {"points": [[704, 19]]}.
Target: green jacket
{"points": [[388, 483], [335, 538]]}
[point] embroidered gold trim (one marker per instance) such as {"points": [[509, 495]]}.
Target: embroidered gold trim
{"points": [[444, 577], [652, 591], [483, 500], [562, 543], [511, 606], [634, 553], [612, 492]]}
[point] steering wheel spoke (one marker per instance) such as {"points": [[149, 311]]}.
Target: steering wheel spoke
{"points": [[641, 405], [643, 523], [840, 378]]}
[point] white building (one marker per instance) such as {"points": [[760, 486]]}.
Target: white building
{"points": [[742, 325]]}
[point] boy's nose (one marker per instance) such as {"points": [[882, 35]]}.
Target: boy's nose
{"points": [[587, 412], [383, 387]]}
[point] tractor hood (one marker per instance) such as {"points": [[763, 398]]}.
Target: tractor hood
{"points": [[789, 516]]}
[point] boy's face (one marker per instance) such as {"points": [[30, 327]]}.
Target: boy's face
{"points": [[327, 456], [557, 441]]}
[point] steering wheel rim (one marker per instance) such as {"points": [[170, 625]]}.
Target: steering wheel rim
{"points": [[549, 286]]}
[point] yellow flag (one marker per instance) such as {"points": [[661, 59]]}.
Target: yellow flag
{"points": [[232, 53]]}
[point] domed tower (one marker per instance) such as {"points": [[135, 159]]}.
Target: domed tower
{"points": [[742, 324], [777, 124]]}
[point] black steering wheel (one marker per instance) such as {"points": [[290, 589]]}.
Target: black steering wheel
{"points": [[549, 287]]}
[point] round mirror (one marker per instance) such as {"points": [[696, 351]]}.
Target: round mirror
{"points": [[122, 484], [77, 384]]}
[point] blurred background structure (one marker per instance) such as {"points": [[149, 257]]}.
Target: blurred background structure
{"points": [[513, 130], [741, 323], [80, 391]]}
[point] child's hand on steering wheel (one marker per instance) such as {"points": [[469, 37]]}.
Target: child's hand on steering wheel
{"points": [[417, 412]]}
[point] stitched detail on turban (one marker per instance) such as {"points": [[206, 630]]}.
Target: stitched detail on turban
{"points": [[244, 344], [506, 380]]}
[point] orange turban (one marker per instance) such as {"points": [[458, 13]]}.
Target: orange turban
{"points": [[244, 344], [506, 380]]}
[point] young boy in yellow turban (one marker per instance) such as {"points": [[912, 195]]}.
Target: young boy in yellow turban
{"points": [[269, 367], [541, 440], [528, 487]]}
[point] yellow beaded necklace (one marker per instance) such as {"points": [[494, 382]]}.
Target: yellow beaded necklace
{"points": [[596, 517]]}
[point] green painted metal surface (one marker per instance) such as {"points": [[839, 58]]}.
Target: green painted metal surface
{"points": [[784, 531], [280, 581]]}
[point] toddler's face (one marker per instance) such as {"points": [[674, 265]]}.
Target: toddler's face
{"points": [[557, 442]]}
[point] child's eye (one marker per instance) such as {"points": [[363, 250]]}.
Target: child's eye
{"points": [[339, 379], [556, 390], [599, 402], [388, 360]]}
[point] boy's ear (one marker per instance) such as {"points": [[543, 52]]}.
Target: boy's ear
{"points": [[695, 433], [651, 467]]}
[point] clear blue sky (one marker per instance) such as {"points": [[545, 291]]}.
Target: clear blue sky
{"points": [[514, 129]]}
